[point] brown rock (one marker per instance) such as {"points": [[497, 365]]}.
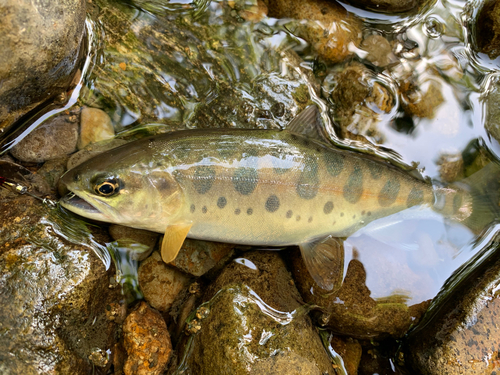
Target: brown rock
{"points": [[147, 342], [423, 100], [55, 293], [335, 30], [461, 334], [487, 29], [160, 282], [198, 257], [254, 311], [379, 50], [350, 351], [451, 167], [352, 311], [53, 139], [95, 126]]}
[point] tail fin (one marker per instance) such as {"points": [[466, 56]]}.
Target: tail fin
{"points": [[484, 190]]}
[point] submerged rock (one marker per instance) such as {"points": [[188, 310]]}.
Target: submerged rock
{"points": [[353, 311], [253, 323], [487, 29], [333, 32], [492, 109], [147, 342], [55, 294], [137, 236], [54, 139], [40, 43], [95, 126], [460, 334], [350, 351], [388, 6]]}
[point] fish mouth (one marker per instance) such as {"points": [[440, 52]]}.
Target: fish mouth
{"points": [[80, 206]]}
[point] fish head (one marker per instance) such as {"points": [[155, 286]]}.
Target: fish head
{"points": [[123, 187]]}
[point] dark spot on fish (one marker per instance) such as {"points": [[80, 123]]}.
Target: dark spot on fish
{"points": [[389, 192], [289, 214], [310, 220], [457, 202], [221, 202], [237, 211], [245, 180], [375, 170], [318, 149], [368, 213], [272, 203], [249, 211], [354, 216], [162, 184], [341, 214], [192, 208], [334, 222], [252, 152], [308, 184], [305, 142], [415, 197], [334, 163], [353, 189], [294, 137], [297, 218], [328, 207], [204, 209], [204, 176], [363, 212]]}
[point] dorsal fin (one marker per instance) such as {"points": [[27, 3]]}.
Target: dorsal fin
{"points": [[309, 123]]}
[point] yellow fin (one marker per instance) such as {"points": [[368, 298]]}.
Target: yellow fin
{"points": [[324, 259], [173, 240]]}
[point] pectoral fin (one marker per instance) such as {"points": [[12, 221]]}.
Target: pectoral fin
{"points": [[173, 240], [324, 259]]}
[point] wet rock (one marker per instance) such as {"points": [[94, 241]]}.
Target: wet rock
{"points": [[460, 333], [160, 283], [40, 43], [95, 126], [388, 6], [55, 293], [492, 109], [358, 102], [451, 167], [52, 170], [332, 35], [54, 139], [487, 29], [147, 342], [198, 257], [379, 50], [143, 237], [353, 311], [254, 323], [421, 99], [91, 150], [350, 351], [254, 13]]}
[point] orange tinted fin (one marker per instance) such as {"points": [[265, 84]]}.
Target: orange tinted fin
{"points": [[173, 240], [324, 259]]}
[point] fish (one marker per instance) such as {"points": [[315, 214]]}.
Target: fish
{"points": [[267, 188]]}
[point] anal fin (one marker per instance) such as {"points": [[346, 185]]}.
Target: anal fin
{"points": [[173, 240], [324, 259]]}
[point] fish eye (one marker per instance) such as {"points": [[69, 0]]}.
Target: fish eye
{"points": [[107, 187]]}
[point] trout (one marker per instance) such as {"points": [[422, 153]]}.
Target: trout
{"points": [[251, 187]]}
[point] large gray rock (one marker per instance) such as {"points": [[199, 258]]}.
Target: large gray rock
{"points": [[39, 48], [58, 314]]}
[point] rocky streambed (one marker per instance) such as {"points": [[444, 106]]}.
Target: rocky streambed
{"points": [[407, 81]]}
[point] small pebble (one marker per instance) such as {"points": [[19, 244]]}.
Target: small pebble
{"points": [[95, 126]]}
